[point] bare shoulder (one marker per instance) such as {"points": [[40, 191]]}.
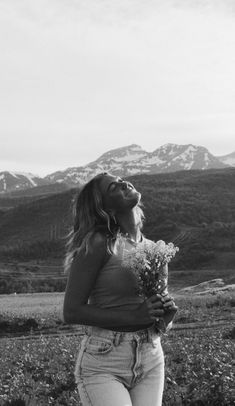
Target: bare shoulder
{"points": [[90, 258]]}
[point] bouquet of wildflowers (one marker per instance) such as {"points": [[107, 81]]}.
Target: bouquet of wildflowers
{"points": [[149, 263]]}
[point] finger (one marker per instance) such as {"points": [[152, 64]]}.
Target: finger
{"points": [[169, 304], [156, 313], [155, 298], [157, 305], [167, 299], [151, 301], [170, 309], [154, 305]]}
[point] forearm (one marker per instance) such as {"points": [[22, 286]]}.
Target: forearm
{"points": [[95, 316]]}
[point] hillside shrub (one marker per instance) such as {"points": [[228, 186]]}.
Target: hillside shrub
{"points": [[32, 285]]}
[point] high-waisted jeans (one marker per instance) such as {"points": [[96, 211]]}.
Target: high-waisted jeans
{"points": [[120, 368]]}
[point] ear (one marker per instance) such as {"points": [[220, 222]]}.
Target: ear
{"points": [[114, 219]]}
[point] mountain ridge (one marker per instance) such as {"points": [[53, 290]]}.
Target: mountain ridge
{"points": [[228, 159], [124, 161]]}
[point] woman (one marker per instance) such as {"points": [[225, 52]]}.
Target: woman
{"points": [[120, 361]]}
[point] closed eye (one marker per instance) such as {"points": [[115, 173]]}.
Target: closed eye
{"points": [[113, 185]]}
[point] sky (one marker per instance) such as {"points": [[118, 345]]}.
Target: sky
{"points": [[81, 77]]}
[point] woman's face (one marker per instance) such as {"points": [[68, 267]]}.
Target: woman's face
{"points": [[118, 195]]}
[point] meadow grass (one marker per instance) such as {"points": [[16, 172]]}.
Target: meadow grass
{"points": [[47, 308], [38, 305], [39, 371]]}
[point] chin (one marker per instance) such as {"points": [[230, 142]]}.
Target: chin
{"points": [[136, 198]]}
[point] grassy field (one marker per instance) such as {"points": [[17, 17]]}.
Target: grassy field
{"points": [[45, 276], [37, 370]]}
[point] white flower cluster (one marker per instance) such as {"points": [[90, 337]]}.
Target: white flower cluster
{"points": [[149, 262]]}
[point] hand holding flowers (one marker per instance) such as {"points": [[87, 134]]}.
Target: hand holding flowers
{"points": [[150, 264]]}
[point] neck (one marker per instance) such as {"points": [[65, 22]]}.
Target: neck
{"points": [[129, 225]]}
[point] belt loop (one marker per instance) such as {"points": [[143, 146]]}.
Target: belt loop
{"points": [[149, 335], [117, 338], [87, 330]]}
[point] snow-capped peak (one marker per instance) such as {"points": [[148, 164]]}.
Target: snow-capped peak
{"points": [[124, 161], [123, 154], [11, 181], [26, 175]]}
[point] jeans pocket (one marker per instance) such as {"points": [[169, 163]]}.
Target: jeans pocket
{"points": [[98, 345]]}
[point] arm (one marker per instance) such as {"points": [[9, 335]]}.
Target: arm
{"points": [[83, 273], [169, 306]]}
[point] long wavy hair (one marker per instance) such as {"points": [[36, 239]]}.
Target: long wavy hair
{"points": [[90, 216]]}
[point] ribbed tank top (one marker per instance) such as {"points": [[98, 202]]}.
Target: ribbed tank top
{"points": [[116, 284]]}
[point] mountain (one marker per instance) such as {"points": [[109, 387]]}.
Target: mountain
{"points": [[133, 160], [195, 209], [124, 162], [117, 161], [13, 181], [227, 159], [173, 157]]}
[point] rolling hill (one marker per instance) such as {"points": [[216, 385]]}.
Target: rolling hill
{"points": [[228, 159], [195, 209], [15, 198]]}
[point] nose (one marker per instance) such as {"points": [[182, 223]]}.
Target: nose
{"points": [[127, 185]]}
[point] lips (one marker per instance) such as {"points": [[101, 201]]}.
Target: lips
{"points": [[131, 190]]}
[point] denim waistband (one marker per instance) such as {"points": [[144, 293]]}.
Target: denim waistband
{"points": [[145, 335]]}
